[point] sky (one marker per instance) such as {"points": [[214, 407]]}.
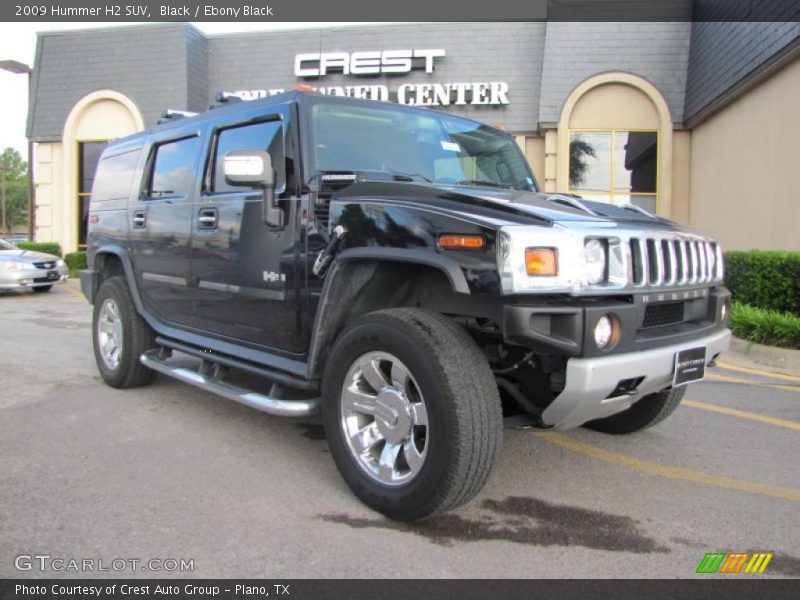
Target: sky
{"points": [[18, 42]]}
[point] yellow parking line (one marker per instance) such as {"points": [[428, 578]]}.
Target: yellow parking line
{"points": [[727, 379], [773, 374], [742, 414], [75, 293], [670, 472]]}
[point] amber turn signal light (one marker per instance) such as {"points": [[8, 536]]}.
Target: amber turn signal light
{"points": [[461, 242], [541, 261]]}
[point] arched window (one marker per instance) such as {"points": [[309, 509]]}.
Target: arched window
{"points": [[95, 120], [615, 143]]}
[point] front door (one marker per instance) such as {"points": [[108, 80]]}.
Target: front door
{"points": [[161, 228], [245, 273]]}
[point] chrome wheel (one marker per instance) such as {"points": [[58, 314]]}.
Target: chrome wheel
{"points": [[384, 419], [109, 333]]}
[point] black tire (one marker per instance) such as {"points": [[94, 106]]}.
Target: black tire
{"points": [[463, 433], [137, 337], [648, 411], [42, 289]]}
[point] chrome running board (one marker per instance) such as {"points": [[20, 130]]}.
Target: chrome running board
{"points": [[273, 406]]}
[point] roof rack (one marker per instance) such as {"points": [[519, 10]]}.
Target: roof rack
{"points": [[170, 115], [224, 98]]}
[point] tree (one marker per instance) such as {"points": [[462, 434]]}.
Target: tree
{"points": [[578, 149], [13, 190]]}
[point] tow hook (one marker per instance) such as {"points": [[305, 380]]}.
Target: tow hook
{"points": [[326, 256]]}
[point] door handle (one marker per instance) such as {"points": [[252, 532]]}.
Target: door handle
{"points": [[139, 219], [208, 219]]}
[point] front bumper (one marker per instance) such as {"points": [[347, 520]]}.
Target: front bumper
{"points": [[590, 381], [565, 326], [28, 278]]}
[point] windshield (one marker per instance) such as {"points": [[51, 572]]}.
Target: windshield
{"points": [[4, 245], [415, 145]]}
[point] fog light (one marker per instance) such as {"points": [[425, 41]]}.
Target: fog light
{"points": [[604, 332]]}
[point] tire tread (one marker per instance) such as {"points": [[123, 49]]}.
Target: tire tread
{"points": [[475, 404], [138, 337]]}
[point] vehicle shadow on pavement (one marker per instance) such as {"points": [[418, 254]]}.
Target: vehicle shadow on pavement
{"points": [[524, 521]]}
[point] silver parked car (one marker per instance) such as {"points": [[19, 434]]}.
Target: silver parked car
{"points": [[26, 269]]}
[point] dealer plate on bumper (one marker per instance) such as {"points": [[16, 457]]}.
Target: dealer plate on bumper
{"points": [[690, 365]]}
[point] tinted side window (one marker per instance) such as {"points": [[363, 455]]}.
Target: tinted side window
{"points": [[115, 176], [173, 168], [260, 136]]}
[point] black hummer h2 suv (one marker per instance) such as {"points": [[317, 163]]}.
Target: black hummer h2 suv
{"points": [[398, 270]]}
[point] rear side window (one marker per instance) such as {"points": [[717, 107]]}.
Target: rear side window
{"points": [[115, 176], [259, 136], [173, 168]]}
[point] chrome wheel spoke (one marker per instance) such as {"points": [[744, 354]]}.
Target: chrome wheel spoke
{"points": [[112, 310], [116, 330], [110, 333], [384, 418], [366, 437], [413, 456], [420, 414], [355, 400], [374, 376], [388, 460], [399, 375]]}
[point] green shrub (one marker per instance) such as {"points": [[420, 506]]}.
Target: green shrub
{"points": [[765, 326], [75, 262], [46, 247], [764, 279]]}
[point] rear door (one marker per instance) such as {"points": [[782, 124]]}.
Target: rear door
{"points": [[161, 226], [245, 272]]}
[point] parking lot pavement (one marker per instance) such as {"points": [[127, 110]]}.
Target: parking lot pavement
{"points": [[170, 472]]}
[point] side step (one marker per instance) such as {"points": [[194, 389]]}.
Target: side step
{"points": [[273, 406]]}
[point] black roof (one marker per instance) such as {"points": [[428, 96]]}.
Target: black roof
{"points": [[266, 102]]}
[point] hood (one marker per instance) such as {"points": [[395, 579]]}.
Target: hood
{"points": [[26, 256], [562, 207], [515, 206]]}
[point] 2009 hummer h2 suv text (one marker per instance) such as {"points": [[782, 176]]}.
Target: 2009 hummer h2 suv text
{"points": [[398, 270]]}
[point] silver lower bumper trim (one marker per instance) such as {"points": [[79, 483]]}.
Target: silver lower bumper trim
{"points": [[273, 406], [591, 380]]}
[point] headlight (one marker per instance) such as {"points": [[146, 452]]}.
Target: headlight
{"points": [[60, 264], [11, 266], [594, 253]]}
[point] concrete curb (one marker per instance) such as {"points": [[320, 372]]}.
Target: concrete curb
{"points": [[750, 354]]}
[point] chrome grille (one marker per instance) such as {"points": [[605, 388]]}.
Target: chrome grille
{"points": [[671, 261], [48, 264]]}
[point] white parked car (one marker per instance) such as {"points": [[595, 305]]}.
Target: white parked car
{"points": [[26, 269]]}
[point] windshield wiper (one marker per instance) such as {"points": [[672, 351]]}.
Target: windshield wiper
{"points": [[505, 186]]}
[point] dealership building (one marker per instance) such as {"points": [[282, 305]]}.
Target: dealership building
{"points": [[698, 122]]}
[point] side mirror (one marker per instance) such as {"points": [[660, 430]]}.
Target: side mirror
{"points": [[249, 168], [253, 168]]}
